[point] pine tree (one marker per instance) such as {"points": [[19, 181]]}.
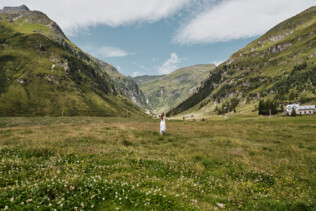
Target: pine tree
{"points": [[293, 113], [261, 107], [274, 106]]}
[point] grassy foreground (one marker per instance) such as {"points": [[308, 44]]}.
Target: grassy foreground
{"points": [[79, 163]]}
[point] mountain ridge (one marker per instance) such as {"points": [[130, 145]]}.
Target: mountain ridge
{"points": [[280, 62], [37, 17], [43, 73], [22, 8]]}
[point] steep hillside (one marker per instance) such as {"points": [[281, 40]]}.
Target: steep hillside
{"points": [[43, 73], [125, 84], [164, 92], [280, 65]]}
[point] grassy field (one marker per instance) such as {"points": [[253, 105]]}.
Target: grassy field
{"points": [[76, 163]]}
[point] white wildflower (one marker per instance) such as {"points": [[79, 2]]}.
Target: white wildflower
{"points": [[220, 205]]}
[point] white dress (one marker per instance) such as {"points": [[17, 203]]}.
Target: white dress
{"points": [[162, 126]]}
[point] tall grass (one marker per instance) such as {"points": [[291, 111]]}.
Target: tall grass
{"points": [[123, 163]]}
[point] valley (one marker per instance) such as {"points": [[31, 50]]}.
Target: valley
{"points": [[77, 134], [40, 66], [166, 91]]}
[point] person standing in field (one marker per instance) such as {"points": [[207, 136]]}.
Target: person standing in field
{"points": [[162, 124]]}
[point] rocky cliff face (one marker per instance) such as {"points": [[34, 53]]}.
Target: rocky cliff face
{"points": [[125, 85], [19, 9]]}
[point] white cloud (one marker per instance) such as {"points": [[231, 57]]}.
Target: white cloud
{"points": [[105, 51], [217, 62], [170, 65], [235, 19], [73, 15], [137, 74], [111, 52]]}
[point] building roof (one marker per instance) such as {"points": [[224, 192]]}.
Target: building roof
{"points": [[307, 107], [292, 106]]}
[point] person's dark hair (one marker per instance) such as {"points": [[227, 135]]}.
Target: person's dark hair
{"points": [[162, 115]]}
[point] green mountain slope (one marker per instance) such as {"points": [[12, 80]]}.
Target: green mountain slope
{"points": [[164, 92], [145, 79], [280, 65], [125, 84], [43, 73]]}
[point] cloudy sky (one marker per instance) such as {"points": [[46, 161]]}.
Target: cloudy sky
{"points": [[158, 36]]}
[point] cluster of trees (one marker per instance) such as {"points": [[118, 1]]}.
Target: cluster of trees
{"points": [[299, 67], [268, 107], [228, 106], [2, 80], [3, 76]]}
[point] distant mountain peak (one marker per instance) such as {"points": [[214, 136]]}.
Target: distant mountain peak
{"points": [[22, 8]]}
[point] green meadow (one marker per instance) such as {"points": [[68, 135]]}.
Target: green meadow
{"points": [[94, 163]]}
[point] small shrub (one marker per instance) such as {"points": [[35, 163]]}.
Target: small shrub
{"points": [[127, 143]]}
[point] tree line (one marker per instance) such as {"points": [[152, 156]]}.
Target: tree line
{"points": [[269, 107]]}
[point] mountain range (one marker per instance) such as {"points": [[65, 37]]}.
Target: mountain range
{"points": [[280, 66], [166, 91], [43, 73]]}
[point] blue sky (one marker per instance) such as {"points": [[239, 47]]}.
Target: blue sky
{"points": [[158, 36], [147, 47]]}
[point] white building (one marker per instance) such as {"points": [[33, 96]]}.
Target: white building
{"points": [[307, 109], [290, 107]]}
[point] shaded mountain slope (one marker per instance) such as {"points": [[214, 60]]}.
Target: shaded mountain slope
{"points": [[125, 84]]}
